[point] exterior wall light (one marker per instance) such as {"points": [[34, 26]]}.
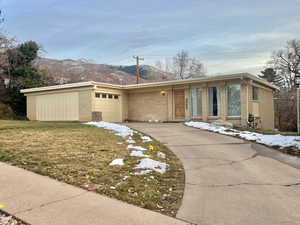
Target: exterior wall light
{"points": [[163, 93]]}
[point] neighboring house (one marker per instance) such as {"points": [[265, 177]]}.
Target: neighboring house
{"points": [[230, 98]]}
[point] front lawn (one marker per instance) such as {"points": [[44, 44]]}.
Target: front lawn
{"points": [[79, 154]]}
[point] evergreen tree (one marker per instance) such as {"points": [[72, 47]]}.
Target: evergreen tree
{"points": [[270, 75], [23, 75]]}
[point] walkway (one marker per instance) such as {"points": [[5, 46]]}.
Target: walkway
{"points": [[228, 182], [40, 200]]}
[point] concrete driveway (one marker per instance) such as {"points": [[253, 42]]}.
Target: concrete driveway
{"points": [[227, 181]]}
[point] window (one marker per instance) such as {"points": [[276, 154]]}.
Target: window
{"points": [[214, 101], [97, 95], [116, 97], [234, 100], [196, 102], [104, 96], [254, 93], [110, 96]]}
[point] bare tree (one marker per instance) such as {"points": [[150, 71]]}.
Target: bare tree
{"points": [[286, 62], [196, 68], [182, 66]]}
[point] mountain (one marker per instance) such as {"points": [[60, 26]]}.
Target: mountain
{"points": [[71, 71], [146, 72]]}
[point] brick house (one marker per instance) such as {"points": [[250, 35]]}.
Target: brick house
{"points": [[229, 98]]}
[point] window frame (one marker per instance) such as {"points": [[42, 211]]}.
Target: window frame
{"points": [[218, 94], [255, 97], [198, 94], [228, 101]]}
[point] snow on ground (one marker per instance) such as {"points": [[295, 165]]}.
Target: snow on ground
{"points": [[151, 164], [266, 139], [130, 140], [147, 164], [117, 162], [137, 154], [145, 138], [142, 172], [139, 148], [161, 155], [118, 129]]}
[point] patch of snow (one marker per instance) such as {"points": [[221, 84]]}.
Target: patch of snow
{"points": [[117, 162], [125, 177], [142, 172], [119, 143], [130, 140], [118, 129], [112, 187], [151, 164], [266, 139], [137, 154], [139, 148], [146, 138], [161, 155]]}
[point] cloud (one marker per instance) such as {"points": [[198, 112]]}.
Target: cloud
{"points": [[226, 35]]}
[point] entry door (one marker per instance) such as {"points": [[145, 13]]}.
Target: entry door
{"points": [[179, 104]]}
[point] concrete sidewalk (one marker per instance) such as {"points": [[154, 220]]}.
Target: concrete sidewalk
{"points": [[40, 200]]}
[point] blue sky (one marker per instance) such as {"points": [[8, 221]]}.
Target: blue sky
{"points": [[227, 36]]}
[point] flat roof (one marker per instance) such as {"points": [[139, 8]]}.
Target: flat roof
{"points": [[153, 84]]}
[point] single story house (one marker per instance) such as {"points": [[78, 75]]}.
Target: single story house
{"points": [[229, 98]]}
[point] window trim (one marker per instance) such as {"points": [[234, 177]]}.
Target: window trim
{"points": [[198, 90], [257, 94], [218, 88], [227, 102]]}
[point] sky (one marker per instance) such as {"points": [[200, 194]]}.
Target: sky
{"points": [[227, 36]]}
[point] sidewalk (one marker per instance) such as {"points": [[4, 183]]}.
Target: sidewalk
{"points": [[40, 200]]}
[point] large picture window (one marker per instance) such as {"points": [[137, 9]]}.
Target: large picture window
{"points": [[234, 100], [214, 101], [196, 102]]}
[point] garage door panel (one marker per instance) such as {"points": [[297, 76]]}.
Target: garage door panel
{"points": [[58, 107], [110, 109]]}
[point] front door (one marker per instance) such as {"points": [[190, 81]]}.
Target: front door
{"points": [[179, 104]]}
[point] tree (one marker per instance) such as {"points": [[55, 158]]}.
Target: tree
{"points": [[270, 75], [182, 66], [286, 62], [181, 63], [23, 74]]}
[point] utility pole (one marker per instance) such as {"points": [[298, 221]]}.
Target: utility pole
{"points": [[138, 59]]}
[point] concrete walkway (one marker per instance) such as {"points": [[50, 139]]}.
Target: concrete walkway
{"points": [[227, 181], [40, 200]]}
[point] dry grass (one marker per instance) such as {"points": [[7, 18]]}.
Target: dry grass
{"points": [[78, 154]]}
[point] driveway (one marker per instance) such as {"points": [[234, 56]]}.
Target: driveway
{"points": [[227, 181]]}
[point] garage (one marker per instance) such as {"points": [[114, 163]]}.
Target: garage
{"points": [[108, 104], [57, 107]]}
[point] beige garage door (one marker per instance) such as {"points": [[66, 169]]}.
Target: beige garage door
{"points": [[58, 107], [110, 108]]}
